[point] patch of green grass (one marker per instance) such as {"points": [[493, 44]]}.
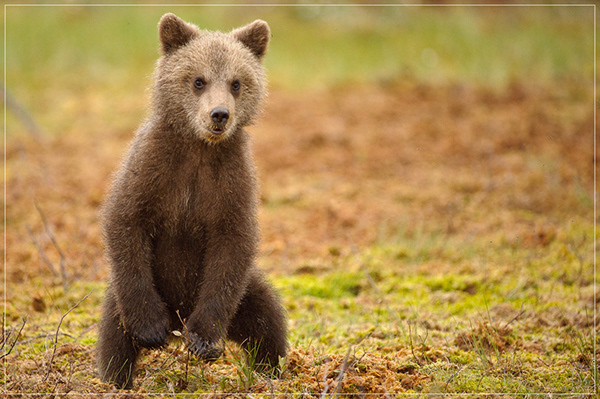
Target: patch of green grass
{"points": [[331, 286], [404, 303], [482, 45]]}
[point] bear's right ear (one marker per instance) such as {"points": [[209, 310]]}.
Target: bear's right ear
{"points": [[174, 33]]}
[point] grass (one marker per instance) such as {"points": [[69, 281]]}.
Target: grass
{"points": [[312, 47], [470, 331], [491, 330], [440, 243]]}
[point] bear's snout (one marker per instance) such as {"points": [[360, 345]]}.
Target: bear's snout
{"points": [[219, 115]]}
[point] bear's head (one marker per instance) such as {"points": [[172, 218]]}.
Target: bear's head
{"points": [[210, 83]]}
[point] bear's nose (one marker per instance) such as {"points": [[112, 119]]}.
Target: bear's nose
{"points": [[219, 115]]}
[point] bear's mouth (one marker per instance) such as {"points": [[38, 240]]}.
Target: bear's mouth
{"points": [[215, 133], [216, 129]]}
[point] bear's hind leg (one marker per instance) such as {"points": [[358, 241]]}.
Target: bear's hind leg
{"points": [[259, 325], [116, 352]]}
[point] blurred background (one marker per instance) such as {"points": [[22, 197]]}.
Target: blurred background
{"points": [[418, 162], [55, 53], [82, 73]]}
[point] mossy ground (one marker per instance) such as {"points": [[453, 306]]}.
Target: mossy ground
{"points": [[429, 230]]}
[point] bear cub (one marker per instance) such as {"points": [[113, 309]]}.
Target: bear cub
{"points": [[179, 222]]}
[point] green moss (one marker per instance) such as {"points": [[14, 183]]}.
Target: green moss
{"points": [[334, 285]]}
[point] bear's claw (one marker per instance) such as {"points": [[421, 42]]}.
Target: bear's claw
{"points": [[203, 349]]}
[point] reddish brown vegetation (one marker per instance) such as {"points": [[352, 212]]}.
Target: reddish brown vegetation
{"points": [[346, 165]]}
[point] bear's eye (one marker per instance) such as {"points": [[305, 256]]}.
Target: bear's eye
{"points": [[235, 86], [199, 83]]}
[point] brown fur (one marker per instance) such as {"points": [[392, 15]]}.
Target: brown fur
{"points": [[180, 221]]}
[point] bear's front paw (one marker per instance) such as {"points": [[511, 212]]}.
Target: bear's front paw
{"points": [[204, 349], [151, 333], [154, 337]]}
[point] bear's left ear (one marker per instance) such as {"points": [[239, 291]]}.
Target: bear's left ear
{"points": [[174, 33], [255, 36]]}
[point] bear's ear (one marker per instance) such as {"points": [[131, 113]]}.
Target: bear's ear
{"points": [[174, 33], [255, 36]]}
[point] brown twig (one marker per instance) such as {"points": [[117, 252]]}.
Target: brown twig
{"points": [[412, 347], [340, 376], [325, 382], [5, 341], [41, 251], [515, 318], [57, 330], [45, 336], [63, 272], [453, 376], [21, 113], [172, 354], [317, 369], [344, 368]]}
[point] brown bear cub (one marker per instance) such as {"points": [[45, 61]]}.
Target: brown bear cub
{"points": [[180, 221]]}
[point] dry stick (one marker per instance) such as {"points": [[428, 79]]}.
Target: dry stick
{"points": [[63, 272], [14, 342], [344, 368], [56, 335], [453, 376], [317, 376], [84, 331], [4, 337], [382, 296], [515, 318], [21, 113], [45, 336], [325, 381], [170, 386], [187, 341], [41, 251], [412, 348], [340, 376], [380, 293]]}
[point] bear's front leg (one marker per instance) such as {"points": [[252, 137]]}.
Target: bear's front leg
{"points": [[145, 319], [225, 278], [143, 313]]}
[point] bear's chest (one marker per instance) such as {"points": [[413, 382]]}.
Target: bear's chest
{"points": [[192, 199], [197, 199]]}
